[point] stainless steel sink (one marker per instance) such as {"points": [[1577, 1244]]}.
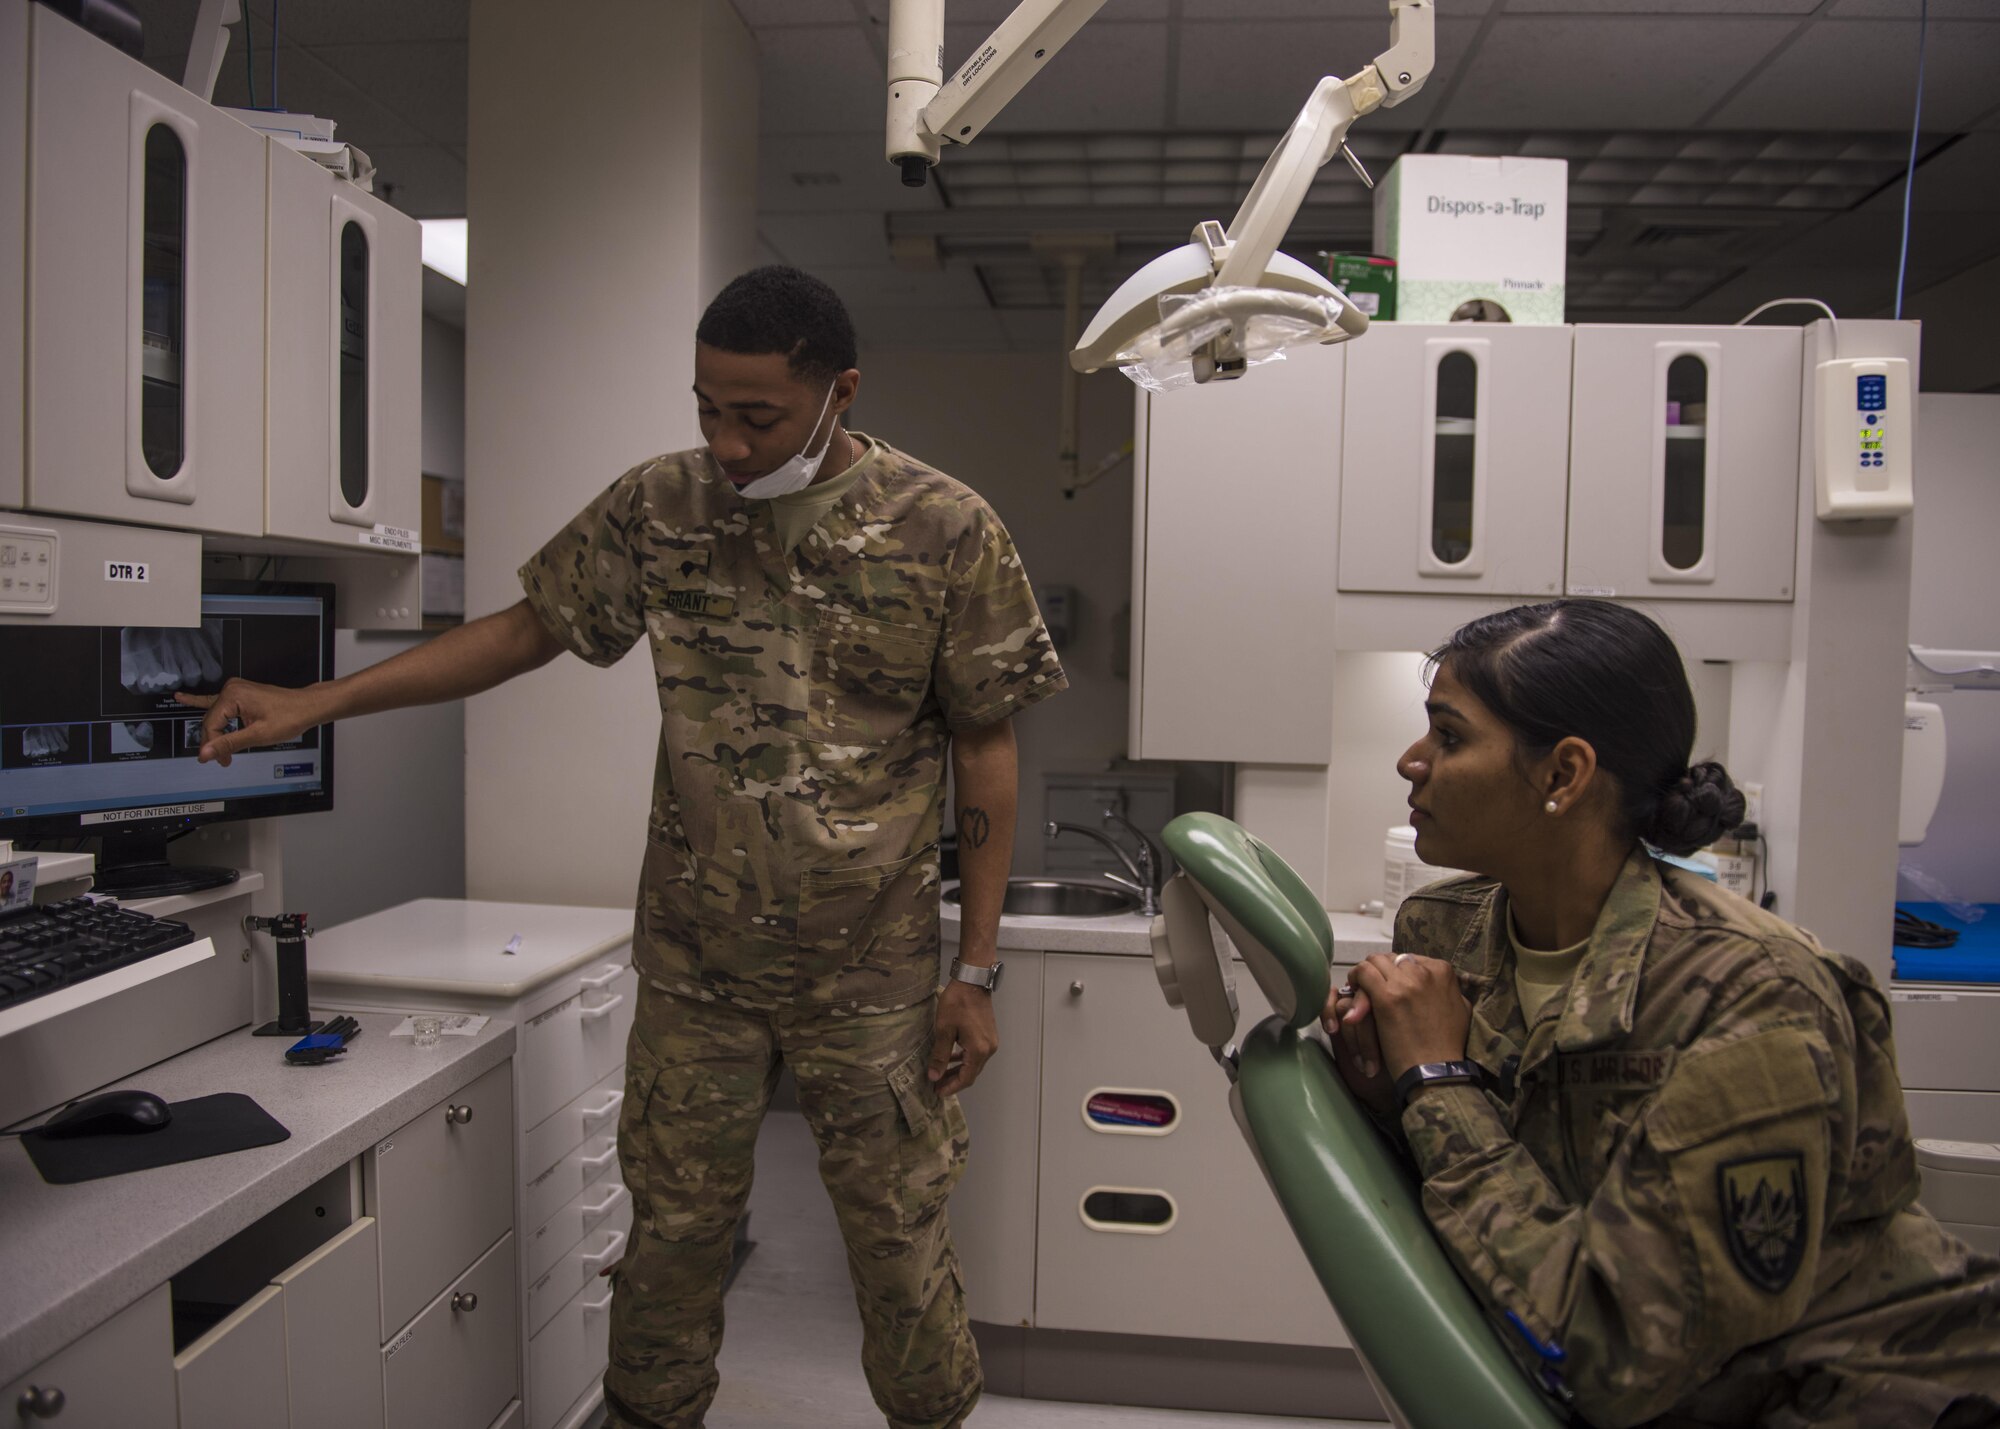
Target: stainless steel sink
{"points": [[1061, 898]]}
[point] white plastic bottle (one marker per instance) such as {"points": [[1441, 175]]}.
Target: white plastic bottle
{"points": [[1403, 873]]}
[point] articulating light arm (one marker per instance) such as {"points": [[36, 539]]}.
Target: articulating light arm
{"points": [[926, 111]]}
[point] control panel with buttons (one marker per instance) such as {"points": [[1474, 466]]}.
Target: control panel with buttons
{"points": [[28, 570]]}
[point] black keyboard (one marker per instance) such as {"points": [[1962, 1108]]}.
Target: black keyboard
{"points": [[53, 945]]}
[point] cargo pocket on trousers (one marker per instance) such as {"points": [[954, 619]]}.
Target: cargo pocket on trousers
{"points": [[642, 1075], [931, 1153]]}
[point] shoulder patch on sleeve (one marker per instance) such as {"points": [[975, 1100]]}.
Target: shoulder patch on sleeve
{"points": [[1763, 1203]]}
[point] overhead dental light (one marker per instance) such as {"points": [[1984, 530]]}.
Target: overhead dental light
{"points": [[1225, 300]]}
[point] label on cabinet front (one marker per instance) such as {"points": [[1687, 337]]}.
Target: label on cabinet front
{"points": [[128, 571], [1594, 592], [390, 538], [398, 1343]]}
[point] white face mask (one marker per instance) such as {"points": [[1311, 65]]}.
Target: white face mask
{"points": [[798, 473]]}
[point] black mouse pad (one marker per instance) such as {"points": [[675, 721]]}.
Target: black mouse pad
{"points": [[205, 1126]]}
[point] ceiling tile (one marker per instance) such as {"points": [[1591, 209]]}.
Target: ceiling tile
{"points": [[830, 173], [422, 180], [323, 22], [824, 80], [1963, 178], [883, 286], [1862, 74], [1374, 11], [1109, 77], [422, 82], [1911, 9], [990, 13], [1288, 59], [308, 85], [1651, 72], [821, 240], [1663, 7]]}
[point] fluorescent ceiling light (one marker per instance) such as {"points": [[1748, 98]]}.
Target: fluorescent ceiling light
{"points": [[444, 247]]}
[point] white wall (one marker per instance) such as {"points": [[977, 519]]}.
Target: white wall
{"points": [[989, 419], [443, 447], [1955, 605], [607, 181]]}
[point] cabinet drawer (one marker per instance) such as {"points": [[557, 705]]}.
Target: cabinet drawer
{"points": [[458, 1364], [233, 1377], [441, 1191], [576, 1267], [1227, 1235], [544, 1245], [121, 1373], [571, 1045], [590, 1163], [595, 1111], [568, 1355], [332, 1300]]}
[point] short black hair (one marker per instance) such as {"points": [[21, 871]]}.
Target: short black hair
{"points": [[1610, 676], [780, 309]]}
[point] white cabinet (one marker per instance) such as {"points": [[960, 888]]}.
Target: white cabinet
{"points": [[13, 240], [1684, 454], [440, 1188], [233, 1377], [1455, 460], [345, 358], [332, 1355], [456, 1365], [1128, 1222], [145, 293], [564, 977], [121, 1373], [1235, 505]]}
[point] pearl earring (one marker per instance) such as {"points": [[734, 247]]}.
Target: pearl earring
{"points": [[1550, 806]]}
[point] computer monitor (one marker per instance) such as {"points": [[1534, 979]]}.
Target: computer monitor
{"points": [[93, 743]]}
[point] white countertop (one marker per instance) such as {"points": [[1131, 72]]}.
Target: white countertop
{"points": [[73, 1256], [458, 946], [1355, 935]]}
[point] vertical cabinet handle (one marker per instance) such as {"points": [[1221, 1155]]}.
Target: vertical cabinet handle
{"points": [[458, 1115], [465, 1301]]}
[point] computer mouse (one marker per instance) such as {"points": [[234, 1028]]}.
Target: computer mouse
{"points": [[109, 1113]]}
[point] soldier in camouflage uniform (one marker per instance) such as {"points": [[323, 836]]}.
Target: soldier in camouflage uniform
{"points": [[1689, 1173], [820, 653]]}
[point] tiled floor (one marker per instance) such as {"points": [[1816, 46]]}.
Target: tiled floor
{"points": [[791, 1357]]}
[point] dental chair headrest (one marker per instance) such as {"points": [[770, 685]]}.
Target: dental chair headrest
{"points": [[1274, 920]]}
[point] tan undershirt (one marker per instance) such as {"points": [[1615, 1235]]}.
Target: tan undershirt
{"points": [[798, 512], [1540, 977]]}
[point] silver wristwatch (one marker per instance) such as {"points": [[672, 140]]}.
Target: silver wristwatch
{"points": [[988, 978]]}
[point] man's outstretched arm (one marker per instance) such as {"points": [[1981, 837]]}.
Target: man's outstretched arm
{"points": [[473, 657]]}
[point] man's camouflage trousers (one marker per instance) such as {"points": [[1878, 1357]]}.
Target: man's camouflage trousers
{"points": [[698, 1079]]}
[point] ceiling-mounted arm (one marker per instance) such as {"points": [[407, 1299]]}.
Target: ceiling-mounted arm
{"points": [[926, 112], [1317, 134]]}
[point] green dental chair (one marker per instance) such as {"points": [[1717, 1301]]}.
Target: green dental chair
{"points": [[1432, 1355]]}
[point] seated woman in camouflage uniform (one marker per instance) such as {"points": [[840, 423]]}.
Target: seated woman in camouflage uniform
{"points": [[1672, 1157]]}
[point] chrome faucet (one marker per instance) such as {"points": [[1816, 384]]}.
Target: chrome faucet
{"points": [[1143, 879]]}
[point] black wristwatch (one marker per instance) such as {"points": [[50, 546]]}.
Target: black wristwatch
{"points": [[1425, 1073]]}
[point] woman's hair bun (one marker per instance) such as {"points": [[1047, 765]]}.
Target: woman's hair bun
{"points": [[1695, 810]]}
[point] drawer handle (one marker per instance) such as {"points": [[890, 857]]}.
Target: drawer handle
{"points": [[591, 1014], [602, 980], [465, 1300], [599, 1113], [598, 1162], [617, 1194], [458, 1115], [38, 1403], [608, 1254], [598, 1307]]}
